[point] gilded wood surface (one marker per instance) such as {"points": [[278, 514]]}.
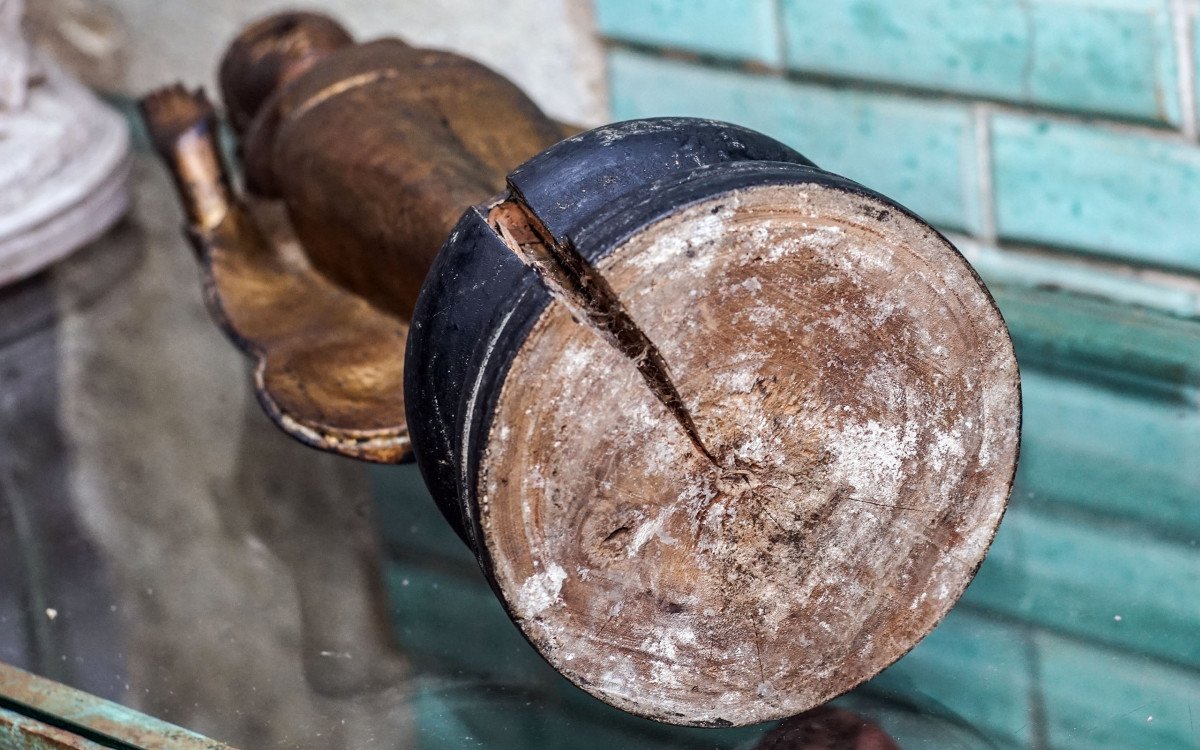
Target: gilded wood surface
{"points": [[361, 163]]}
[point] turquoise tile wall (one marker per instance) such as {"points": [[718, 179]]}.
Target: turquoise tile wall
{"points": [[1195, 55], [1116, 451], [1110, 584], [921, 150], [1150, 706], [1098, 56], [744, 30], [971, 666], [1091, 188], [1060, 124], [1052, 270], [1107, 58]]}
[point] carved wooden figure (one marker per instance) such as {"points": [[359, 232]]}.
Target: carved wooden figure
{"points": [[728, 433]]}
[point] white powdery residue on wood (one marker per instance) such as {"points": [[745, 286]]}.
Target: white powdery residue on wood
{"points": [[779, 248], [869, 456], [995, 395], [661, 455], [946, 448], [777, 555], [666, 642], [765, 315], [668, 251], [842, 324], [576, 359], [752, 285], [640, 414], [755, 449], [541, 591], [825, 238], [884, 307], [737, 381], [650, 530], [885, 383], [663, 648]]}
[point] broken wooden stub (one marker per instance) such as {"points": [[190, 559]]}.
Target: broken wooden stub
{"points": [[729, 434]]}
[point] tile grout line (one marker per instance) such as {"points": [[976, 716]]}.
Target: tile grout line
{"points": [[1163, 132], [982, 114], [781, 42], [581, 18], [1185, 61], [1115, 267], [1085, 275]]}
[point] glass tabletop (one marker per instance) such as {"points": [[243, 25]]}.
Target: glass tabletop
{"points": [[162, 545]]}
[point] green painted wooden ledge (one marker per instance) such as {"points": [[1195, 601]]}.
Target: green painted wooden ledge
{"points": [[38, 714]]}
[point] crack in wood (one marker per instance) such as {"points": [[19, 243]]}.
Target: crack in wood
{"points": [[591, 299], [859, 471]]}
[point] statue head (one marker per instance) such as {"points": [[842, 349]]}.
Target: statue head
{"points": [[271, 53]]}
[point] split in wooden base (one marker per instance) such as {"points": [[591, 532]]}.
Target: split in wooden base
{"points": [[859, 393]]}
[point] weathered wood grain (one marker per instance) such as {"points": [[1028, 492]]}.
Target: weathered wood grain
{"points": [[859, 392]]}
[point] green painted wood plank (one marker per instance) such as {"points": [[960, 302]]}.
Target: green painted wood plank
{"points": [[18, 732], [744, 30], [1110, 585], [103, 722], [919, 153], [1111, 58]]}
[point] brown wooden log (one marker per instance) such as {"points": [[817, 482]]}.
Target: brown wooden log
{"points": [[728, 433], [858, 392]]}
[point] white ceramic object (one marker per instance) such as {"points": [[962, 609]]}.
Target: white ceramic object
{"points": [[64, 158]]}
